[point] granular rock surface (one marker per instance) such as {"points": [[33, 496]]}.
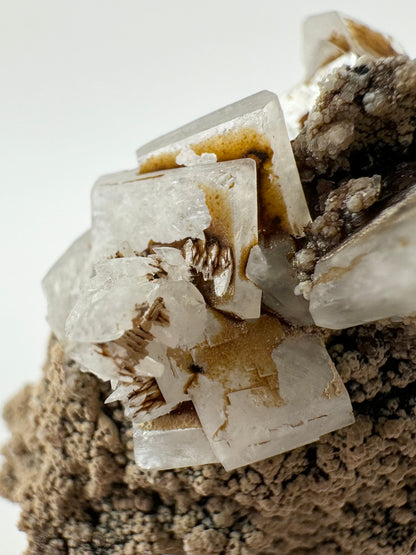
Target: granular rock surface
{"points": [[70, 466]]}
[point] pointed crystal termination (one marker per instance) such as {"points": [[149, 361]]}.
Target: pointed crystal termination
{"points": [[330, 40], [265, 393], [372, 274], [214, 202], [253, 127], [62, 284], [172, 441]]}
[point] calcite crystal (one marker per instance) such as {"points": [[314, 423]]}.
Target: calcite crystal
{"points": [[214, 298], [195, 289], [167, 310]]}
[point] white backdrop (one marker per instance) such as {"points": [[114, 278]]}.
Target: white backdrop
{"points": [[84, 83]]}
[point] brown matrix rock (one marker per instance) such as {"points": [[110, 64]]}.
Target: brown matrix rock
{"points": [[70, 466]]}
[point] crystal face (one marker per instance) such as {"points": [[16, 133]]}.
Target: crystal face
{"points": [[185, 292], [372, 275], [253, 127]]}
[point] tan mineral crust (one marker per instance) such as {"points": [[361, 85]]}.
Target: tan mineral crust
{"points": [[70, 463]]}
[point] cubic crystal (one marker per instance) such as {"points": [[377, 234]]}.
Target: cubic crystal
{"points": [[266, 392], [253, 127], [172, 441]]}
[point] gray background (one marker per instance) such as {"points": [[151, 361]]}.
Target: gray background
{"points": [[84, 83]]}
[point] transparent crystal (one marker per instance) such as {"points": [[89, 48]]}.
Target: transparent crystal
{"points": [[108, 301], [266, 393], [330, 35], [371, 275], [131, 211], [62, 283], [269, 266], [253, 127], [173, 441], [218, 199]]}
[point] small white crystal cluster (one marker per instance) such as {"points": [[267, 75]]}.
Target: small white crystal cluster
{"points": [[164, 295]]}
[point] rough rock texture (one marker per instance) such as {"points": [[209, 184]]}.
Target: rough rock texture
{"points": [[70, 466], [358, 147]]}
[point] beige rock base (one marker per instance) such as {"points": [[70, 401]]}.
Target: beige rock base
{"points": [[70, 466]]}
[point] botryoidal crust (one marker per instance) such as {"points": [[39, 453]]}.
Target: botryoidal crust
{"points": [[70, 465]]}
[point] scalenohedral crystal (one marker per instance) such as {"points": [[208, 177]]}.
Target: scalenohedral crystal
{"points": [[202, 286]]}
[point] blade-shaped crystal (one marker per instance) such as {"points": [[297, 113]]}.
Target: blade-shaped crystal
{"points": [[372, 275], [253, 127]]}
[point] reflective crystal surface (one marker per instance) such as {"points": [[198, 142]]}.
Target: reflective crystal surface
{"points": [[62, 283], [209, 204], [172, 441], [183, 293], [269, 266], [253, 127], [372, 275], [255, 400]]}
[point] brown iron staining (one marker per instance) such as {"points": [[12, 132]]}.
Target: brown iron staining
{"points": [[146, 396], [233, 145], [208, 257], [130, 349]]}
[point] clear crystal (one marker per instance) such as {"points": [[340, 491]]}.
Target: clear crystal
{"points": [[131, 211], [269, 266], [371, 275], [253, 127], [219, 200], [62, 283], [266, 393], [172, 441]]}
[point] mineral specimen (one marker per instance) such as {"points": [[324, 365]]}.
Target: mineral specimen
{"points": [[163, 297], [167, 310], [204, 297]]}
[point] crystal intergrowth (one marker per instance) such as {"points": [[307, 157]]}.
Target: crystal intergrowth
{"points": [[184, 293]]}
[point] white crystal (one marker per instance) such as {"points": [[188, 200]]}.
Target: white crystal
{"points": [[90, 359], [270, 268], [251, 126], [187, 157], [218, 198], [108, 301], [372, 274], [62, 283], [133, 210], [250, 410], [171, 442]]}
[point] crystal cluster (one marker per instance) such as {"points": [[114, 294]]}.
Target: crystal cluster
{"points": [[185, 292]]}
